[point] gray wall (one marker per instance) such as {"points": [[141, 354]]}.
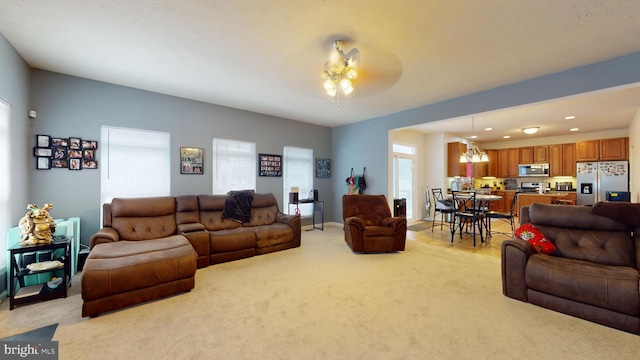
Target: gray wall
{"points": [[15, 90], [75, 107], [366, 143]]}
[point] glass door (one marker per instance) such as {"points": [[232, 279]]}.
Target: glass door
{"points": [[403, 181]]}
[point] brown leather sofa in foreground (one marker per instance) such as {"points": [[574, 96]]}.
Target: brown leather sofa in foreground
{"points": [[369, 226], [594, 273], [150, 248]]}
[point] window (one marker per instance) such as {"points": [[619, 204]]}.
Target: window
{"points": [[4, 182], [297, 171], [234, 165], [134, 163]]}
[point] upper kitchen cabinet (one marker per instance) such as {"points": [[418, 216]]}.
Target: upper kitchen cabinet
{"points": [[605, 149], [562, 160], [454, 166], [534, 154], [492, 165], [614, 149], [588, 150], [508, 160]]}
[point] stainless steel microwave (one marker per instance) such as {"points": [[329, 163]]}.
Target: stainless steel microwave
{"points": [[533, 170]]}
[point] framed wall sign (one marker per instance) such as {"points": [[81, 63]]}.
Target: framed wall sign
{"points": [[270, 165], [323, 168], [191, 160]]}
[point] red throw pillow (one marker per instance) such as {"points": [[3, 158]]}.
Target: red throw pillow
{"points": [[534, 237]]}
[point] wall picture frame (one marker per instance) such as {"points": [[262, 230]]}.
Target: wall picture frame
{"points": [[75, 164], [43, 163], [75, 143], [42, 151], [323, 168], [43, 141], [191, 160], [270, 165]]}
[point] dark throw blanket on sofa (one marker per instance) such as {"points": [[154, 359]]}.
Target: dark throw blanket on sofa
{"points": [[624, 212], [237, 207]]}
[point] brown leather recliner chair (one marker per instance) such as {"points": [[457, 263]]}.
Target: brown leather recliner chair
{"points": [[369, 226]]}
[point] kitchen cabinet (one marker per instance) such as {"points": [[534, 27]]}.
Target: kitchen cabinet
{"points": [[562, 160], [497, 205], [492, 165], [454, 166], [541, 154], [508, 160], [614, 149], [534, 154], [588, 150], [604, 149], [526, 155]]}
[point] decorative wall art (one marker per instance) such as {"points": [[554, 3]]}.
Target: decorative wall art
{"points": [[191, 160], [71, 153], [270, 165], [323, 168]]}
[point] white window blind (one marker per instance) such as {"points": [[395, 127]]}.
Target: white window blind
{"points": [[134, 163], [234, 165], [297, 171], [4, 182]]}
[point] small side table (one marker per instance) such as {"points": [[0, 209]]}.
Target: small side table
{"points": [[39, 292]]}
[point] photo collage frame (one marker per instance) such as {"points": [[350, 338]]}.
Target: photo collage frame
{"points": [[72, 153]]}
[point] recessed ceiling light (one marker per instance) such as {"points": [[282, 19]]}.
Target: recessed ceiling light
{"points": [[474, 136], [488, 129], [569, 117], [506, 137], [574, 129]]}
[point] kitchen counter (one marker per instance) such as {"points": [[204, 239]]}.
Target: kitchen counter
{"points": [[550, 197]]}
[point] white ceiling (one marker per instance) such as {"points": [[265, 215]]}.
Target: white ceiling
{"points": [[268, 56]]}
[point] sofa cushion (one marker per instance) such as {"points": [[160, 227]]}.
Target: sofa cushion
{"points": [[611, 287], [144, 218], [602, 247], [534, 237], [232, 240], [375, 231], [263, 216], [273, 234]]}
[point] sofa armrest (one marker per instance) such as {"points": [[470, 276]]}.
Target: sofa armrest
{"points": [[515, 254], [294, 222], [399, 225], [190, 227], [286, 219], [104, 235]]}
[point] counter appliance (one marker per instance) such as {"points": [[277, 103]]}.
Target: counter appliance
{"points": [[595, 179], [534, 186]]}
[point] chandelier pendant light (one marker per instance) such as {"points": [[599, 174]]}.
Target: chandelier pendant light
{"points": [[473, 153], [338, 73]]}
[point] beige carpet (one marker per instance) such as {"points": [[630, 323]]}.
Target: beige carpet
{"points": [[321, 301]]}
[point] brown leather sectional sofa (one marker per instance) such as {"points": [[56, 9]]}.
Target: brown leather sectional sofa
{"points": [[150, 247], [594, 274]]}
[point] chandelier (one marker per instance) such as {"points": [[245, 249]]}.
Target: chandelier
{"points": [[338, 73], [473, 155]]}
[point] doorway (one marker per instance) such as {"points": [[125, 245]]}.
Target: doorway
{"points": [[403, 165]]}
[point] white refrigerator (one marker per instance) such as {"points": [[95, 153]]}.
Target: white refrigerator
{"points": [[596, 178]]}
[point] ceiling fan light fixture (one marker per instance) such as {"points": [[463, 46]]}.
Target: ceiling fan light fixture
{"points": [[530, 130], [338, 73]]}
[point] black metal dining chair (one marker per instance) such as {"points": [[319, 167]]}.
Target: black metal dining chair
{"points": [[504, 216], [442, 207], [468, 212]]}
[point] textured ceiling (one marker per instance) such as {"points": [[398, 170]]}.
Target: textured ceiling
{"points": [[268, 56]]}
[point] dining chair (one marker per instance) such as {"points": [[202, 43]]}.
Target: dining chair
{"points": [[468, 211], [504, 216], [443, 207]]}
